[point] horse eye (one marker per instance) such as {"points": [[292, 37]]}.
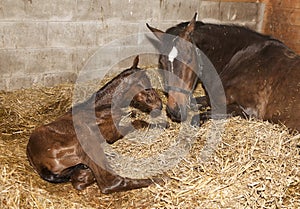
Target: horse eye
{"points": [[189, 60], [162, 65]]}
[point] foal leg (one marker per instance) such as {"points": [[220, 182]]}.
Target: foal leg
{"points": [[202, 103], [236, 110], [114, 183], [113, 134], [232, 110], [199, 119], [122, 131], [108, 181], [140, 124], [82, 178]]}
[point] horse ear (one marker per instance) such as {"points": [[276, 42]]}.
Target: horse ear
{"points": [[195, 17], [158, 33], [135, 62], [190, 27]]}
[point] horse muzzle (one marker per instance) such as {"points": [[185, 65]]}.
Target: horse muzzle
{"points": [[177, 106], [178, 113]]}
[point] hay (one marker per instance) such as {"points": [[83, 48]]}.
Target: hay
{"points": [[256, 165]]}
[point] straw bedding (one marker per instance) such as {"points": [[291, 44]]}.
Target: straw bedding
{"points": [[255, 165]]}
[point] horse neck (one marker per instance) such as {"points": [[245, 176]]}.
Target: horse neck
{"points": [[220, 42]]}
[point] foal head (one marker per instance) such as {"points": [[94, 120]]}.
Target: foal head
{"points": [[178, 60], [136, 90]]}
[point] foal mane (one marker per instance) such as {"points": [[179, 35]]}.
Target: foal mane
{"points": [[115, 82], [105, 93]]}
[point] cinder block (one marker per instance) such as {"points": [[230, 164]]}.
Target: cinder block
{"points": [[89, 10], [87, 33], [96, 75], [12, 61], [53, 79], [51, 10], [134, 10], [12, 10], [103, 58], [81, 56], [23, 34], [235, 12], [102, 34], [60, 60], [78, 34], [209, 9], [38, 61], [21, 81], [113, 32], [178, 10], [62, 34], [3, 84]]}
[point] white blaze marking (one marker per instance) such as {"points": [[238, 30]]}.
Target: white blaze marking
{"points": [[173, 54]]}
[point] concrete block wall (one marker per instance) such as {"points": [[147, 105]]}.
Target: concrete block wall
{"points": [[281, 19], [46, 42]]}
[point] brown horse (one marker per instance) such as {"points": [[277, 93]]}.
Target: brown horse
{"points": [[259, 74], [55, 152]]}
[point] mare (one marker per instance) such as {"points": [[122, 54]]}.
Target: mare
{"points": [[58, 156], [259, 74]]}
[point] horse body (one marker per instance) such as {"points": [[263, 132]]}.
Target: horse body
{"points": [[56, 153], [259, 74], [265, 83]]}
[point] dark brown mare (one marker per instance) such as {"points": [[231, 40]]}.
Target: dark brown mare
{"points": [[259, 74], [54, 149]]}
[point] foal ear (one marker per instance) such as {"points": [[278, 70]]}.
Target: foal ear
{"points": [[135, 62], [158, 33]]}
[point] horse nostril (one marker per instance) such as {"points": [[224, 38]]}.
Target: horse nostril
{"points": [[177, 114], [174, 114], [183, 112]]}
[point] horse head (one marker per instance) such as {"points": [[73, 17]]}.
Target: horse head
{"points": [[178, 60]]}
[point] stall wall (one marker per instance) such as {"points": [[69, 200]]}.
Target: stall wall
{"points": [[46, 42], [282, 20]]}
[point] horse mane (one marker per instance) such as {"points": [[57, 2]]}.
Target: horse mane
{"points": [[177, 29]]}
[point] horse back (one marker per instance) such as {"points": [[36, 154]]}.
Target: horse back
{"points": [[265, 80]]}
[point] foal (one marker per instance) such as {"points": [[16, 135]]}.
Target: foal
{"points": [[57, 155]]}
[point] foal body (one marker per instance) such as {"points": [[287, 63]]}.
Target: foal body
{"points": [[259, 74], [56, 153]]}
